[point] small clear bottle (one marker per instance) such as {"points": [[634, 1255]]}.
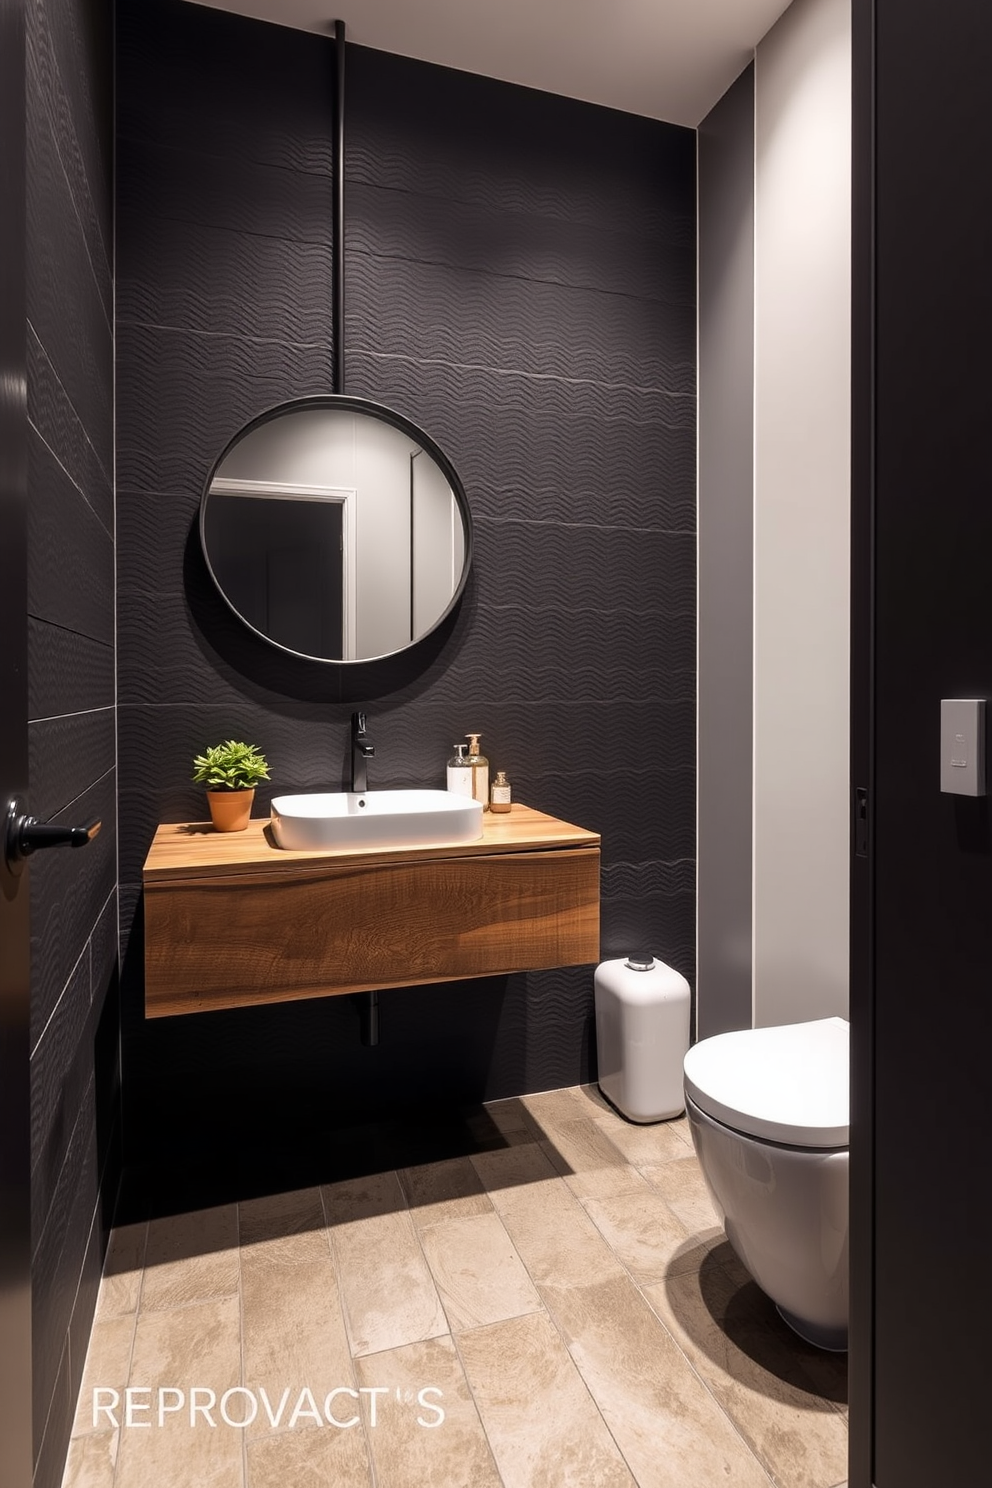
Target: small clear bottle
{"points": [[480, 770], [459, 773], [499, 795]]}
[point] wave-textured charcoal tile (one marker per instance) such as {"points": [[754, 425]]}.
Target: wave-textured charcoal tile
{"points": [[522, 287], [225, 282], [593, 443], [104, 953], [185, 395], [69, 672], [68, 894], [511, 653], [60, 1073], [64, 292], [59, 1253], [602, 569], [73, 46], [70, 551], [619, 760], [524, 325], [576, 760], [224, 86], [185, 184], [606, 255], [63, 91], [516, 149], [87, 454], [66, 756]]}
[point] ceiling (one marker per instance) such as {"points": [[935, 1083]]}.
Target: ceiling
{"points": [[666, 59]]}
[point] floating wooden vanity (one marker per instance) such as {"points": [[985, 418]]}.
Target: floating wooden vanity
{"points": [[231, 920]]}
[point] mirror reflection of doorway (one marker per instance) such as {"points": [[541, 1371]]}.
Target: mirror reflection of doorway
{"points": [[406, 528], [282, 559]]}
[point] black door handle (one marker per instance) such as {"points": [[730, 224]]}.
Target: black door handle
{"points": [[26, 835]]}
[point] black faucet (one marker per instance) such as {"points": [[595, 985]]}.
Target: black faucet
{"points": [[362, 750]]}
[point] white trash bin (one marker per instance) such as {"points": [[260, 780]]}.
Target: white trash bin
{"points": [[642, 1036]]}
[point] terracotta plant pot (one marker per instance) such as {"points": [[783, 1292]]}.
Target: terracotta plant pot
{"points": [[230, 811]]}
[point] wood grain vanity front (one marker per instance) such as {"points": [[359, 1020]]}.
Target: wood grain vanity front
{"points": [[232, 920]]}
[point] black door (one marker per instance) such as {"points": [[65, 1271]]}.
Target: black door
{"points": [[922, 908], [15, 1136]]}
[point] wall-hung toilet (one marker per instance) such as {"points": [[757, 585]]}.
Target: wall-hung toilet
{"points": [[769, 1109]]}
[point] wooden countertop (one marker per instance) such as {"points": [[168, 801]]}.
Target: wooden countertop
{"points": [[182, 851]]}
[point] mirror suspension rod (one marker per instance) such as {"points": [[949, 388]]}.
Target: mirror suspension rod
{"points": [[337, 297], [368, 1013]]}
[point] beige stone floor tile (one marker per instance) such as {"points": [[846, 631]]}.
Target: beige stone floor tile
{"points": [[591, 1100], [510, 1174], [386, 1286], [542, 1425], [755, 1368], [107, 1367], [287, 1228], [294, 1334], [123, 1265], [330, 1458], [822, 1372], [594, 1103], [551, 1109], [718, 1251], [198, 1345], [589, 1162], [408, 1454], [643, 1233], [374, 1196], [507, 1119], [553, 1234], [644, 1145], [667, 1424], [680, 1125], [91, 1461], [478, 1274], [444, 1190], [191, 1258], [683, 1187]]}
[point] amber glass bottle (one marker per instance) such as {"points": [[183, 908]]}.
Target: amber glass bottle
{"points": [[499, 796]]}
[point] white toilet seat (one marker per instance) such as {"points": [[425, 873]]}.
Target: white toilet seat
{"points": [[788, 1084]]}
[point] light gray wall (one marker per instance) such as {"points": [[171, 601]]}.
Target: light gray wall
{"points": [[726, 514], [802, 513]]}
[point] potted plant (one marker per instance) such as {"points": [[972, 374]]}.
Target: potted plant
{"points": [[230, 772]]}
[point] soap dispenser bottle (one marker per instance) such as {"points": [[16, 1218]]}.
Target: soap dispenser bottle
{"points": [[459, 773], [480, 770], [499, 796]]}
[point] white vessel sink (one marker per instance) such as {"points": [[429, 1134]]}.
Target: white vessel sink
{"points": [[388, 818]]}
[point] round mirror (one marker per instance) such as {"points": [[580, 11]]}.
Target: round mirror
{"points": [[336, 529]]}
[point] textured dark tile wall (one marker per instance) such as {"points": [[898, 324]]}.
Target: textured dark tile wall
{"points": [[72, 733], [520, 282]]}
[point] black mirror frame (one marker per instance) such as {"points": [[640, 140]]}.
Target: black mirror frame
{"points": [[386, 416]]}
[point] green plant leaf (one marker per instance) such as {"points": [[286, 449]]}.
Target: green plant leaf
{"points": [[230, 766]]}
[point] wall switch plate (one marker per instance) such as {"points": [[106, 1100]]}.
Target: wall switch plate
{"points": [[962, 746]]}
